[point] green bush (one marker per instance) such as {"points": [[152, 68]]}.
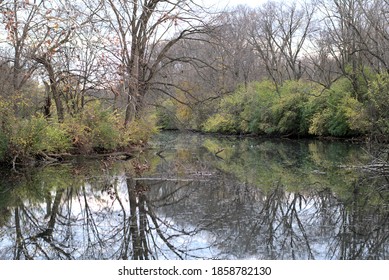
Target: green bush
{"points": [[260, 109], [7, 116], [105, 126], [228, 117], [78, 133], [247, 110], [95, 128], [300, 103], [356, 115], [166, 115], [56, 139], [6, 122], [37, 134], [290, 110], [231, 109], [335, 110], [29, 135], [359, 78], [257, 115], [223, 123], [302, 108], [105, 136], [100, 128], [140, 131], [378, 106]]}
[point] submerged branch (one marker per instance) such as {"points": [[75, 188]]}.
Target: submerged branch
{"points": [[171, 179], [382, 167]]}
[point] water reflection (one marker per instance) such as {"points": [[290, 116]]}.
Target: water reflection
{"points": [[186, 200]]}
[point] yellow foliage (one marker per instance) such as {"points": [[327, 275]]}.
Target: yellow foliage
{"points": [[220, 123], [184, 113], [318, 122], [139, 131], [357, 117]]}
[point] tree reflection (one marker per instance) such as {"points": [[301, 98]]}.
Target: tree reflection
{"points": [[182, 207], [363, 232], [118, 222], [315, 224]]}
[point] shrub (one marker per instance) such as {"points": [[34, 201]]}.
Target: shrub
{"points": [[296, 107], [105, 136], [35, 135], [7, 116], [288, 114], [95, 128], [228, 118], [29, 135], [100, 128], [220, 122], [6, 121], [247, 110], [78, 133], [378, 106], [356, 115], [166, 115], [257, 114], [57, 140], [139, 131], [303, 108], [335, 110]]}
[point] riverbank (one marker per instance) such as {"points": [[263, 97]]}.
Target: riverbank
{"points": [[295, 109], [362, 139], [98, 132], [126, 153]]}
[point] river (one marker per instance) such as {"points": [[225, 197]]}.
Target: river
{"points": [[193, 196]]}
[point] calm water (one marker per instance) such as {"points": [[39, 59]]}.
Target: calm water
{"points": [[201, 197]]}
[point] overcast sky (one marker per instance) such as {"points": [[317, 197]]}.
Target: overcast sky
{"points": [[231, 3], [252, 3]]}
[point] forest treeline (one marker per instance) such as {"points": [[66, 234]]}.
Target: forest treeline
{"points": [[90, 76]]}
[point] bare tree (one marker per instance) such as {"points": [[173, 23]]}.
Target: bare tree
{"points": [[143, 32], [278, 34], [344, 26], [236, 53], [373, 33], [19, 19], [37, 31]]}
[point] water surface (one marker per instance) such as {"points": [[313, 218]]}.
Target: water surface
{"points": [[192, 196]]}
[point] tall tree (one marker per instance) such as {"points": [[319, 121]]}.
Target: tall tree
{"points": [[343, 27], [237, 54], [278, 34], [20, 19], [36, 32], [143, 32], [374, 33]]}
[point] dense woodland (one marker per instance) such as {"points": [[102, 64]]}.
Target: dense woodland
{"points": [[95, 76]]}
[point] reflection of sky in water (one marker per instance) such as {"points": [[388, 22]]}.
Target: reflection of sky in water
{"points": [[107, 217], [251, 206], [96, 231], [198, 246]]}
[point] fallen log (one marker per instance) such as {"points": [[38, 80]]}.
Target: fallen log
{"points": [[170, 179], [113, 156], [51, 157], [382, 167]]}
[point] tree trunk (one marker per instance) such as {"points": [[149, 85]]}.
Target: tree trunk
{"points": [[55, 92], [134, 95], [47, 105]]}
